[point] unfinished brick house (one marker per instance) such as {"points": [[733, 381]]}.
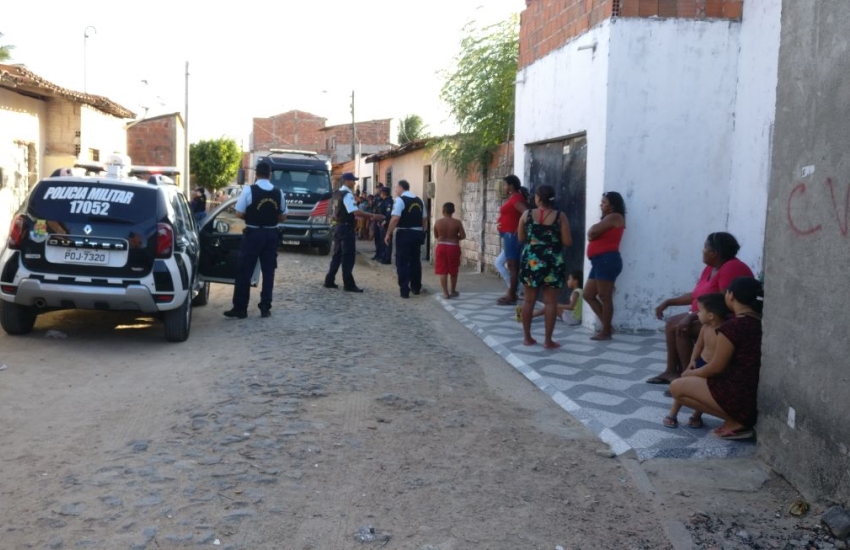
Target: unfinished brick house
{"points": [[157, 141]]}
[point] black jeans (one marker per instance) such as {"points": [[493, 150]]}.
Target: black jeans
{"points": [[344, 251], [407, 260], [257, 244]]}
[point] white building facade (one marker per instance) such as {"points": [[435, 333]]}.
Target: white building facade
{"points": [[676, 114]]}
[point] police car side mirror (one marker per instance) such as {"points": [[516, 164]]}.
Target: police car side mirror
{"points": [[240, 176]]}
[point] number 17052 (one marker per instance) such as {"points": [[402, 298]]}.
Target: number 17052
{"points": [[95, 208]]}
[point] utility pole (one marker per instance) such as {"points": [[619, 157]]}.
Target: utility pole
{"points": [[186, 138], [353, 133]]}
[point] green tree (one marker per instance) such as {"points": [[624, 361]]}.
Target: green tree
{"points": [[411, 128], [215, 162], [480, 94], [5, 51]]}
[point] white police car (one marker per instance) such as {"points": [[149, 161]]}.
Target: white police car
{"points": [[114, 243]]}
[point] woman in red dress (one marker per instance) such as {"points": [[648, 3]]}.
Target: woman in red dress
{"points": [[727, 387]]}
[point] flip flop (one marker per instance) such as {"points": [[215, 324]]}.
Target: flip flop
{"points": [[670, 422], [455, 294], [505, 302], [741, 433], [658, 380], [695, 423]]}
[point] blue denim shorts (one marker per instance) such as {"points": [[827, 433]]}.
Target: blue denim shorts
{"points": [[511, 246], [606, 267]]}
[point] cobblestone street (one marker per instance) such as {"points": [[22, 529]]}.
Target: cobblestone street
{"points": [[340, 413]]}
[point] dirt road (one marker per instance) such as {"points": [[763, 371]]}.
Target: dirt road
{"points": [[339, 413]]}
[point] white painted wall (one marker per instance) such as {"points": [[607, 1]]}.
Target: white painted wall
{"points": [[22, 119], [755, 112], [657, 101], [671, 99], [101, 131], [563, 94]]}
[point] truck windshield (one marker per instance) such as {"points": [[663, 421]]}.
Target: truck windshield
{"points": [[301, 181]]}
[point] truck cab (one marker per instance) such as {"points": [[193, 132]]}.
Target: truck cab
{"points": [[305, 178]]}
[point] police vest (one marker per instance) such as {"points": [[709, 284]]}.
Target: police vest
{"points": [[411, 215], [341, 214], [264, 210]]}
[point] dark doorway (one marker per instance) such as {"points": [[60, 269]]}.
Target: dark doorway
{"points": [[563, 165]]}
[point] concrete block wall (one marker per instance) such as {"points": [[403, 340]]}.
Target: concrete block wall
{"points": [[478, 212], [64, 127]]}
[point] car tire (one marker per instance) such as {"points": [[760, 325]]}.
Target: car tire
{"points": [[325, 249], [17, 319], [203, 296], [178, 321]]}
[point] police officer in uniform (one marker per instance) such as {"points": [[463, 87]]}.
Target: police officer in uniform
{"points": [[385, 207], [262, 207], [345, 214], [408, 215]]}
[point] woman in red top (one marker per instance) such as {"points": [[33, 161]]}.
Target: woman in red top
{"points": [[603, 251], [507, 225], [722, 267]]}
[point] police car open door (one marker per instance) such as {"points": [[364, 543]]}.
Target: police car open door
{"points": [[220, 238]]}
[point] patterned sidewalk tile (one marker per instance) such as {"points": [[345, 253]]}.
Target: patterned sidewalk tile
{"points": [[602, 384]]}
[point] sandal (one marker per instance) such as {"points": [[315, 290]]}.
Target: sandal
{"points": [[670, 422], [504, 301], [740, 433], [658, 380], [695, 422]]}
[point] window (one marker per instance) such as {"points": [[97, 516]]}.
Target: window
{"points": [[389, 177], [94, 155]]}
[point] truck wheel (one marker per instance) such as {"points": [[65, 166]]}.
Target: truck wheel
{"points": [[203, 296], [325, 249], [178, 321], [17, 319]]}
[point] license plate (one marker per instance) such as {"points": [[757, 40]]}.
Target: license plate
{"points": [[80, 256], [290, 242]]}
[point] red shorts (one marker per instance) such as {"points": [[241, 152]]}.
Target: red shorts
{"points": [[447, 259]]}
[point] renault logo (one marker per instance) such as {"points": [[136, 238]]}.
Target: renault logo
{"points": [[87, 229]]}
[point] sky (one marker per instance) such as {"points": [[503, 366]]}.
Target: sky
{"points": [[254, 59]]}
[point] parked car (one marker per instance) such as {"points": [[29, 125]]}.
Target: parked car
{"points": [[112, 243]]}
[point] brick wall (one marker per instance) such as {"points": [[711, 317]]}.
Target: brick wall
{"points": [[290, 130], [153, 142], [373, 136], [546, 25]]}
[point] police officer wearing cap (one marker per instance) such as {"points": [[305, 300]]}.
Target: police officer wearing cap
{"points": [[345, 214], [262, 207], [408, 215]]}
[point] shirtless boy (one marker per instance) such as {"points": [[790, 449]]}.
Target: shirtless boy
{"points": [[448, 232]]}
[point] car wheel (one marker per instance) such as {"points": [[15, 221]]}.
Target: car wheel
{"points": [[203, 296], [178, 321], [325, 249], [17, 319]]}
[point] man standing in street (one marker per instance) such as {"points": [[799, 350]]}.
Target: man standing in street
{"points": [[262, 207], [345, 214], [377, 226], [408, 215]]}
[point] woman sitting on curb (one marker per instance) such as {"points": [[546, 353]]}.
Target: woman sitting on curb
{"points": [[727, 387]]}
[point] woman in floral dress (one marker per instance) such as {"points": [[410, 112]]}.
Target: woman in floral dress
{"points": [[545, 232]]}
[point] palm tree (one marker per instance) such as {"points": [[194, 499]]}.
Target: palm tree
{"points": [[411, 128], [5, 51]]}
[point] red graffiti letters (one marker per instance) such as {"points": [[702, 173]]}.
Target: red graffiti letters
{"points": [[800, 219]]}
